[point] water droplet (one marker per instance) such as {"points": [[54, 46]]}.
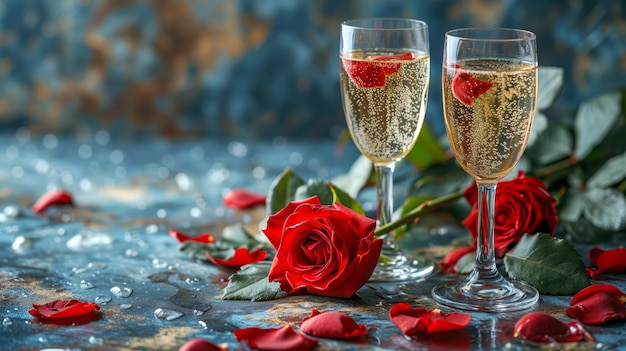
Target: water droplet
{"points": [[117, 156], [89, 239], [121, 291], [198, 313], [84, 151], [125, 306], [7, 321], [17, 172], [161, 213], [203, 324], [96, 340], [102, 299], [42, 339], [131, 253], [11, 211], [86, 285], [159, 264], [183, 181], [237, 149], [50, 141], [152, 229], [21, 243], [102, 137], [167, 314]]}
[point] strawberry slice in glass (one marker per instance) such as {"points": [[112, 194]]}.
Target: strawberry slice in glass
{"points": [[466, 88], [372, 73]]}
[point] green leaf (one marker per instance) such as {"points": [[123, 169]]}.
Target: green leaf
{"points": [[540, 123], [345, 199], [465, 264], [237, 236], [427, 150], [594, 120], [550, 264], [357, 177], [251, 283], [570, 207], [314, 187], [549, 84], [555, 143], [282, 190], [195, 250], [606, 208], [613, 171]]}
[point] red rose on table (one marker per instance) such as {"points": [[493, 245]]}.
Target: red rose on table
{"points": [[523, 206], [326, 250]]}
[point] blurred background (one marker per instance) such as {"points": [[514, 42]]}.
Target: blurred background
{"points": [[249, 69]]}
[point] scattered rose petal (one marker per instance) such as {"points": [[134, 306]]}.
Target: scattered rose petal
{"points": [[450, 260], [413, 320], [199, 344], [241, 257], [63, 309], [598, 304], [55, 197], [275, 339], [466, 88], [242, 199], [332, 324], [542, 327], [182, 237], [608, 261], [595, 288]]}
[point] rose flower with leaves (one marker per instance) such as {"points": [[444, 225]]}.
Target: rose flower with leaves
{"points": [[523, 206], [324, 249]]}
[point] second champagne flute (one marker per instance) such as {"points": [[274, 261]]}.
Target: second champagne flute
{"points": [[489, 96], [384, 75]]}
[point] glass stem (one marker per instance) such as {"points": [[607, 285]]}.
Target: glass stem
{"points": [[485, 253], [384, 188]]}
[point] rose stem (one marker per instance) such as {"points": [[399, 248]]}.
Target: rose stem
{"points": [[426, 207]]}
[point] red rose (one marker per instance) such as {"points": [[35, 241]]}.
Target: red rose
{"points": [[328, 250], [523, 206]]}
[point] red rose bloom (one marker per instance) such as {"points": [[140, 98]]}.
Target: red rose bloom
{"points": [[327, 250], [523, 206]]}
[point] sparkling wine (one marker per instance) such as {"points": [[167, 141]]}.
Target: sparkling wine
{"points": [[384, 114], [488, 130]]}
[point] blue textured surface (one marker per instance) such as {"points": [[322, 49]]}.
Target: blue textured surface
{"points": [[251, 69], [127, 195]]}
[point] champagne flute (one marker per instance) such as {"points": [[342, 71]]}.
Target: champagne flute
{"points": [[384, 75], [489, 96]]}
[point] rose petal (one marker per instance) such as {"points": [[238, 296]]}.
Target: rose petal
{"points": [[275, 339], [55, 197], [450, 260], [332, 324], [182, 237], [63, 309], [609, 261], [595, 288], [199, 344], [598, 308], [242, 199], [594, 253], [542, 327], [240, 258], [413, 320]]}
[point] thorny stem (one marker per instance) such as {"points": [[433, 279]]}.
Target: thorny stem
{"points": [[426, 207]]}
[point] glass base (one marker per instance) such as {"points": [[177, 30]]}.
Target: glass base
{"points": [[498, 295], [399, 267]]}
